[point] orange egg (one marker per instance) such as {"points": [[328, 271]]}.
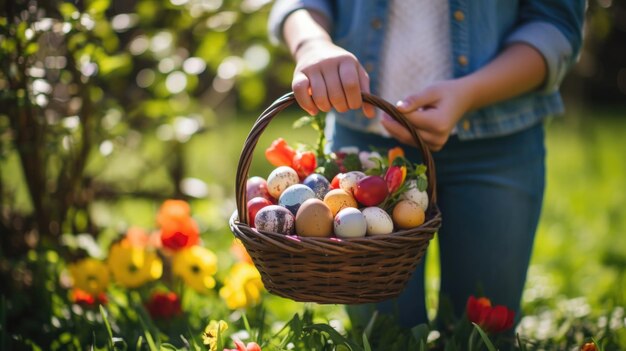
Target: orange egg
{"points": [[407, 214], [338, 199]]}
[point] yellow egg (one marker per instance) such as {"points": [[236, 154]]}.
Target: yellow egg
{"points": [[314, 218], [407, 214], [338, 199]]}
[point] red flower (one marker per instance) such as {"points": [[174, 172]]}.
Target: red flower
{"points": [[492, 319], [163, 305], [85, 299], [304, 163], [395, 177], [252, 346], [279, 153], [178, 229]]}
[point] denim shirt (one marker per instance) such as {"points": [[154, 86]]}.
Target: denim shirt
{"points": [[479, 30]]}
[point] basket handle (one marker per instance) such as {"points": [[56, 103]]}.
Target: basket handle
{"points": [[286, 100]]}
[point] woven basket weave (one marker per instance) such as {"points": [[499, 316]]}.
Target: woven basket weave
{"points": [[332, 270]]}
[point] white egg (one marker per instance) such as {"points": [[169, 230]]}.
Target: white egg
{"points": [[350, 223], [378, 221], [347, 181], [280, 179], [415, 195]]}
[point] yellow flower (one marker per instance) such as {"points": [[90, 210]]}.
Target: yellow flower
{"points": [[212, 333], [242, 287], [196, 265], [133, 266], [90, 275]]}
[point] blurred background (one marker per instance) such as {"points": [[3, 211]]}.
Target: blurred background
{"points": [[107, 108]]}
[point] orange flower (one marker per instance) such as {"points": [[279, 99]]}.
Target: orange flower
{"points": [[394, 153], [590, 346], [494, 319], [178, 229], [252, 346], [279, 153], [85, 299], [138, 237]]}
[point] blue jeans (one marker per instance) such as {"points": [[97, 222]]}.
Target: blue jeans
{"points": [[490, 193]]}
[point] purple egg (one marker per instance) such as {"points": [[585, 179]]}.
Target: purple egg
{"points": [[319, 184], [257, 187], [294, 196], [274, 218]]}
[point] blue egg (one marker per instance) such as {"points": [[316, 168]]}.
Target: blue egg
{"points": [[319, 184], [294, 196]]}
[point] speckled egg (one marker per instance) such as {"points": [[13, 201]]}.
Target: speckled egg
{"points": [[378, 221], [318, 183], [338, 199], [275, 219], [414, 194], [350, 223], [314, 218], [257, 187], [407, 214], [349, 180], [280, 179], [294, 196]]}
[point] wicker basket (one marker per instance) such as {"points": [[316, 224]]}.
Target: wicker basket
{"points": [[331, 270]]}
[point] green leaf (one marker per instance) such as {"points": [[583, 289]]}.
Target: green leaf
{"points": [[115, 65], [422, 183], [420, 332], [352, 162], [103, 312], [366, 343], [213, 48], [485, 338]]}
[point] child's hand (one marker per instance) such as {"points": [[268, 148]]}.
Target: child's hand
{"points": [[433, 112], [327, 76]]}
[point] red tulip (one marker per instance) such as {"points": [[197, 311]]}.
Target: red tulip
{"points": [[492, 319], [164, 305], [395, 177], [279, 153], [304, 163], [252, 346], [85, 299], [590, 346]]}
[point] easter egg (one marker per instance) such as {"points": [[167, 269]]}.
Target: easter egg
{"points": [[414, 194], [378, 221], [407, 214], [350, 223], [294, 196], [334, 184], [280, 179], [314, 218], [257, 187], [349, 180], [318, 183], [274, 218], [338, 199], [371, 190], [254, 205]]}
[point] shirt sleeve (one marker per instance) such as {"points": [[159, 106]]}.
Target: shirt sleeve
{"points": [[283, 8], [554, 28]]}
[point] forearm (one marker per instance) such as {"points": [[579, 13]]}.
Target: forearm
{"points": [[303, 26], [517, 70]]}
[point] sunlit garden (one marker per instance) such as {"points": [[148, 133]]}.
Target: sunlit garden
{"points": [[122, 124]]}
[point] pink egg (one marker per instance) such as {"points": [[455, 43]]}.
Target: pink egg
{"points": [[257, 187]]}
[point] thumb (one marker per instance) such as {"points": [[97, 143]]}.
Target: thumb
{"points": [[417, 101]]}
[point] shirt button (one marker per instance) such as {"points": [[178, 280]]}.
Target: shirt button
{"points": [[462, 59], [466, 125], [369, 67], [459, 15], [377, 23]]}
